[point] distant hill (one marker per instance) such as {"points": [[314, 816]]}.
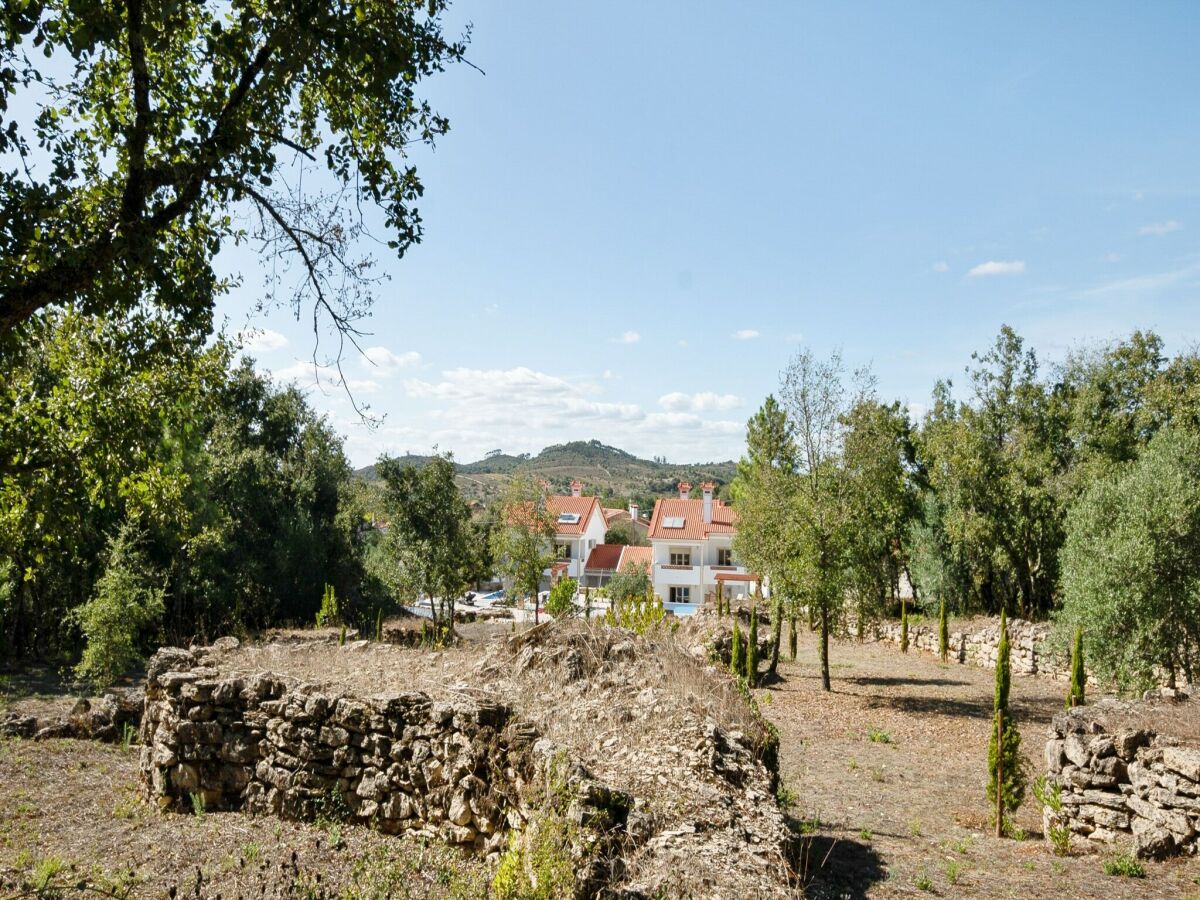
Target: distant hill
{"points": [[606, 471]]}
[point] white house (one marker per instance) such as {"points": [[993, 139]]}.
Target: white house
{"points": [[579, 527], [692, 549]]}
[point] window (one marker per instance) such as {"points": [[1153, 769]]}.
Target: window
{"points": [[672, 522], [564, 551], [724, 556], [681, 595], [568, 518], [681, 557]]}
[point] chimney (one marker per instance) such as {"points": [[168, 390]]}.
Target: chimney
{"points": [[576, 487], [707, 487], [685, 490], [633, 511]]}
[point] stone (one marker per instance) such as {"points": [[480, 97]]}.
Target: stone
{"points": [[1076, 750], [1184, 761], [1154, 843], [460, 810], [1054, 756]]}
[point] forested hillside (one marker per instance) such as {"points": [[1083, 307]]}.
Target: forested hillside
{"points": [[605, 471]]}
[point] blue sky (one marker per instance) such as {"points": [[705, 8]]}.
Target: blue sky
{"points": [[642, 210]]}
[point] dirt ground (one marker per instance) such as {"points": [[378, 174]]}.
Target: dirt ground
{"points": [[72, 822], [905, 814]]}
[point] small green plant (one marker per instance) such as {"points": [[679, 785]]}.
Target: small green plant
{"points": [[561, 601], [878, 736], [785, 795], [328, 613], [251, 852], [1060, 839], [1048, 793], [865, 834], [1013, 831], [44, 872], [853, 764], [1124, 866], [954, 870], [1057, 868], [914, 827], [766, 698], [197, 804], [342, 636], [128, 736], [963, 845], [735, 652], [923, 881]]}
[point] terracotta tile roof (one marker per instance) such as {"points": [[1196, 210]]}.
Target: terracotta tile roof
{"points": [[636, 556], [581, 506], [604, 557], [694, 527]]}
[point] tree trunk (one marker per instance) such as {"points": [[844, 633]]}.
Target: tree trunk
{"points": [[825, 686], [776, 634]]}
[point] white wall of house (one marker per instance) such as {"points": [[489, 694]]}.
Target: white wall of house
{"points": [[704, 562], [579, 546]]}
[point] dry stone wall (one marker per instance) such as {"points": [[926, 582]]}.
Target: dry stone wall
{"points": [[979, 642], [463, 771], [1123, 782]]}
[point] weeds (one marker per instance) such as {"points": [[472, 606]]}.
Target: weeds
{"points": [[1060, 839], [865, 835], [197, 804], [923, 881], [128, 736], [853, 764], [914, 827], [963, 845], [1125, 866], [954, 870], [785, 795], [878, 736]]}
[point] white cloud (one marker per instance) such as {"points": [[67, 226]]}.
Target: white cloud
{"points": [[609, 375], [683, 342], [472, 410], [1141, 284], [629, 337], [1111, 257], [1161, 228], [677, 401], [746, 334], [994, 267], [941, 266], [262, 340], [389, 362], [308, 375], [917, 411], [794, 338]]}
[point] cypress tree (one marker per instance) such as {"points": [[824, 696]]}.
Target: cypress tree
{"points": [[735, 654], [792, 636], [1006, 769], [752, 649], [943, 633], [379, 624], [1078, 677], [903, 627]]}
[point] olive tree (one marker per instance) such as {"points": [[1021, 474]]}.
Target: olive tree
{"points": [[1131, 566]]}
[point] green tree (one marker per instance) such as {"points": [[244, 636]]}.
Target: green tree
{"points": [[561, 601], [159, 121], [1131, 566], [622, 532], [433, 530], [903, 627], [126, 609], [522, 541], [1075, 694], [817, 400], [633, 580], [943, 633], [1006, 766], [737, 653]]}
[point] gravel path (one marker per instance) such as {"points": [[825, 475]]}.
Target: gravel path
{"points": [[905, 814]]}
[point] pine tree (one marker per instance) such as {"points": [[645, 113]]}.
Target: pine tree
{"points": [[1078, 677], [792, 636], [752, 649], [735, 654], [903, 627], [1006, 768], [943, 633]]}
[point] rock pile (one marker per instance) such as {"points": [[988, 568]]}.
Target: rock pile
{"points": [[103, 718], [1118, 780]]}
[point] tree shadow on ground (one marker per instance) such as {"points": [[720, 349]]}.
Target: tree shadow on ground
{"points": [[939, 706], [833, 866], [891, 680]]}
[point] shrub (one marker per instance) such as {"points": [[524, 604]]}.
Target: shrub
{"points": [[1125, 866], [632, 581], [127, 602], [561, 601], [736, 665], [328, 613]]}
